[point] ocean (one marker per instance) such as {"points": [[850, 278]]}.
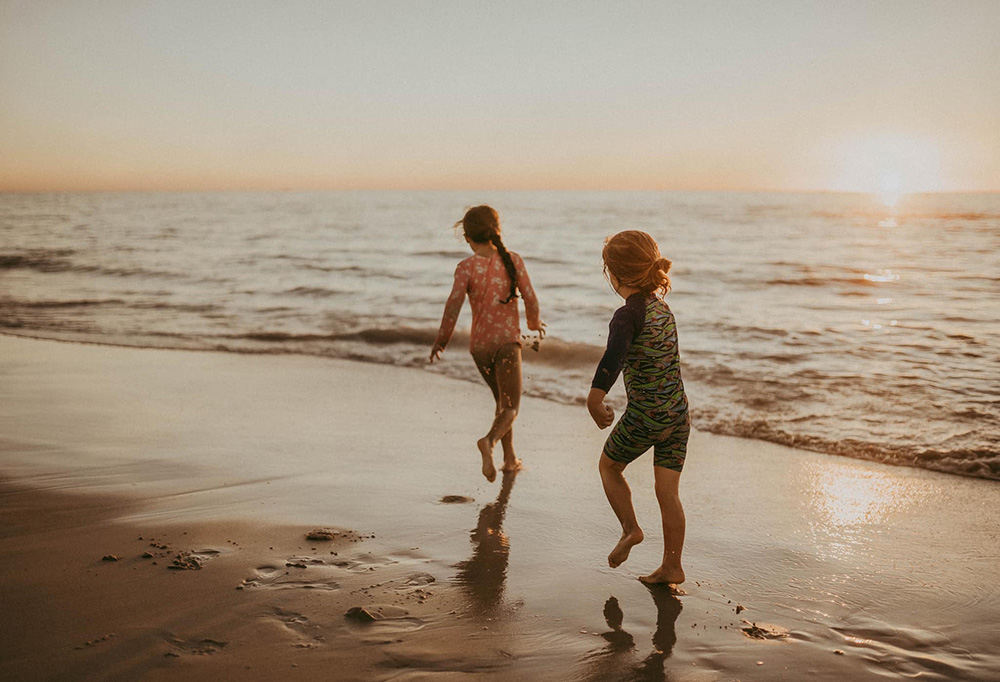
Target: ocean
{"points": [[830, 322]]}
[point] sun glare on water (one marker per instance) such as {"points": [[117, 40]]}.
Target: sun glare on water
{"points": [[887, 167], [853, 503]]}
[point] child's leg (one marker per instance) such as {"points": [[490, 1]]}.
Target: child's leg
{"points": [[620, 497], [510, 460], [672, 514], [502, 373], [507, 370], [486, 366]]}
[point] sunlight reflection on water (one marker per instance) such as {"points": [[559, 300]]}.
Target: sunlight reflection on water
{"points": [[852, 506], [845, 497]]}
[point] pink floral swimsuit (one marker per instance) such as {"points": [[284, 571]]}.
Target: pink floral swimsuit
{"points": [[494, 324]]}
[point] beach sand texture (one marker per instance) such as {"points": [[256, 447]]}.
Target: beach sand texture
{"points": [[800, 565]]}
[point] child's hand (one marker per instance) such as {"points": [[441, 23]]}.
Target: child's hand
{"points": [[436, 352], [538, 327], [602, 414]]}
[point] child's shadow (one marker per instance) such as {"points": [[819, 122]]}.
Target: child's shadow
{"points": [[617, 660], [484, 574]]}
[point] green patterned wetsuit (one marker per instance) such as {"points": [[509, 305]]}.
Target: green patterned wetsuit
{"points": [[657, 412]]}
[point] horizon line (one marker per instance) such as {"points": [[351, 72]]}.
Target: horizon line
{"points": [[239, 190]]}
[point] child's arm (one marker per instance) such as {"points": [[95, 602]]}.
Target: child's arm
{"points": [[624, 327], [531, 311], [602, 414], [451, 310]]}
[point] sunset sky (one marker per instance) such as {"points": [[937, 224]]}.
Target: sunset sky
{"points": [[797, 95]]}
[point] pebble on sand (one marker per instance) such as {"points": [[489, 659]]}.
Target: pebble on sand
{"points": [[185, 562], [764, 631], [360, 614], [321, 534]]}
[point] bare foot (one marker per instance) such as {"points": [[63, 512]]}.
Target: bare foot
{"points": [[511, 466], [619, 555], [489, 471], [669, 576]]}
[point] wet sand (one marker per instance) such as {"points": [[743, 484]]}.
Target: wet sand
{"points": [[799, 565]]}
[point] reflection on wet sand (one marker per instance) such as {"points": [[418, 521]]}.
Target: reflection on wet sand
{"points": [[483, 576], [617, 661]]}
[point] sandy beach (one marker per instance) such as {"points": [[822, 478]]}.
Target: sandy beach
{"points": [[156, 505]]}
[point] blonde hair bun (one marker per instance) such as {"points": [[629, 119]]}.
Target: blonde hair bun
{"points": [[633, 257]]}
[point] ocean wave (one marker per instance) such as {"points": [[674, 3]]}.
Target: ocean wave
{"points": [[462, 255], [138, 272], [977, 278], [357, 270], [57, 260], [181, 307], [974, 216], [314, 292], [974, 462], [552, 351], [750, 330], [542, 260], [908, 214], [374, 336], [444, 253], [53, 260], [49, 325], [8, 304], [863, 281]]}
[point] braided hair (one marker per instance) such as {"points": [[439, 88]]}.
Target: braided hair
{"points": [[481, 224]]}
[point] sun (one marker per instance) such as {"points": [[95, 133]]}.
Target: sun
{"points": [[886, 165], [890, 188]]}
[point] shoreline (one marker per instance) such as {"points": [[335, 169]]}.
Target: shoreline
{"points": [[460, 368], [891, 566]]}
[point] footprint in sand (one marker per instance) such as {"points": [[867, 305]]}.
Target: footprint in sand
{"points": [[199, 647], [384, 619], [421, 579], [369, 562], [296, 574], [193, 560], [764, 631], [308, 634], [267, 571], [312, 572]]}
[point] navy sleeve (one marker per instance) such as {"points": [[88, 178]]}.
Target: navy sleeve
{"points": [[624, 328]]}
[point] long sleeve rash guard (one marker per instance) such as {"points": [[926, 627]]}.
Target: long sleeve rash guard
{"points": [[626, 324]]}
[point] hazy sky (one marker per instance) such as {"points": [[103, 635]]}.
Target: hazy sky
{"points": [[502, 94]]}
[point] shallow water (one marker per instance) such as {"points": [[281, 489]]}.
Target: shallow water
{"points": [[828, 322]]}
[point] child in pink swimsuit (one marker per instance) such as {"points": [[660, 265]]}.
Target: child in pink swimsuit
{"points": [[492, 277]]}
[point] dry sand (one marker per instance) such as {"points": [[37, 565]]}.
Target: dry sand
{"points": [[800, 565]]}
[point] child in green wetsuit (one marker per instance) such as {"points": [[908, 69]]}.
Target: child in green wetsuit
{"points": [[642, 341]]}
